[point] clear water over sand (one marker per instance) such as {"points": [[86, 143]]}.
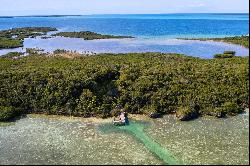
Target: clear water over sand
{"points": [[56, 140], [203, 49]]}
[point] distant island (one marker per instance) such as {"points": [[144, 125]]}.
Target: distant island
{"points": [[39, 16], [240, 40], [6, 16], [87, 35], [13, 38]]}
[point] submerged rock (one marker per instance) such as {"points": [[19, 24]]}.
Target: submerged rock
{"points": [[187, 117], [186, 114], [217, 114], [155, 115]]}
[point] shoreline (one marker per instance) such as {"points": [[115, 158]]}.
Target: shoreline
{"points": [[133, 117], [96, 120], [242, 40], [96, 47], [87, 42]]}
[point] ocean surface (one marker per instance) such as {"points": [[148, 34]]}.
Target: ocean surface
{"points": [[149, 25], [153, 32]]}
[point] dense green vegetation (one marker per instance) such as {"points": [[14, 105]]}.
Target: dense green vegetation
{"points": [[13, 38], [240, 40], [87, 35], [12, 55], [139, 83], [7, 113], [21, 33], [10, 43], [226, 54]]}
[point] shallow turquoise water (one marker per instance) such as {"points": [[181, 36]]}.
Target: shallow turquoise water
{"points": [[203, 49], [66, 141], [167, 25], [47, 140], [154, 33], [137, 130], [205, 140]]}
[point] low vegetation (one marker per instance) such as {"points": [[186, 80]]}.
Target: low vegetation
{"points": [[13, 38], [240, 40], [12, 55], [8, 113], [139, 83], [87, 35], [6, 43], [226, 54], [21, 33]]}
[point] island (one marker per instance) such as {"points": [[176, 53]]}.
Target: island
{"points": [[240, 40], [13, 38], [139, 83], [7, 43], [87, 35]]}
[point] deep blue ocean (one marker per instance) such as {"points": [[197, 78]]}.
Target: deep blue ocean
{"points": [[148, 25], [152, 32]]}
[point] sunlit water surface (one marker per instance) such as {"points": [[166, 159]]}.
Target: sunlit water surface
{"points": [[152, 32], [203, 49], [52, 140]]}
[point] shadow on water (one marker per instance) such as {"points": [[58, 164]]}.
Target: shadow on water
{"points": [[137, 130], [12, 121]]}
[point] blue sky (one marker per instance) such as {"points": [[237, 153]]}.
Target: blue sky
{"points": [[64, 7]]}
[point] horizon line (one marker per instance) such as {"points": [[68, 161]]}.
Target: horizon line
{"points": [[58, 15]]}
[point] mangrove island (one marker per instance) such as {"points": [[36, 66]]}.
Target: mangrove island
{"points": [[142, 83], [87, 35], [13, 38]]}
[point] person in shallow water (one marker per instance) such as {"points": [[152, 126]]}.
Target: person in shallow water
{"points": [[123, 119], [126, 118]]}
